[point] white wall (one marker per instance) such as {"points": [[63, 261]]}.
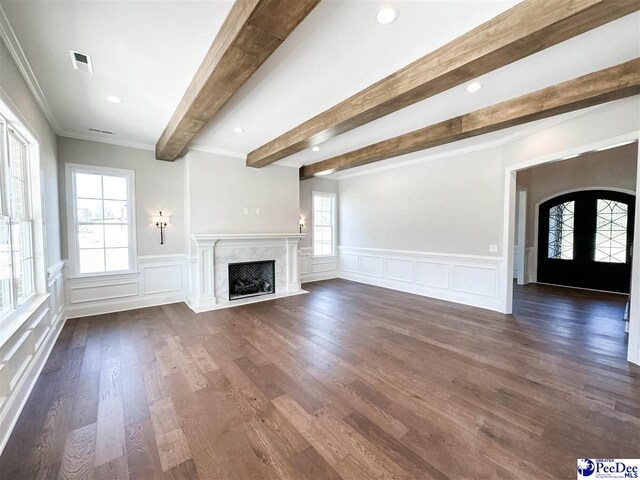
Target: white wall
{"points": [[426, 227], [221, 187], [159, 186], [26, 339], [14, 89], [312, 268], [449, 205], [203, 193]]}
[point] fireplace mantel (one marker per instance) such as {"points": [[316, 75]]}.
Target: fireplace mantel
{"points": [[212, 238], [212, 253]]}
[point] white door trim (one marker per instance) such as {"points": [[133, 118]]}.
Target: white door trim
{"points": [[521, 235], [508, 235]]}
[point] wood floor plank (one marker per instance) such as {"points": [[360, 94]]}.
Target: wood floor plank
{"points": [[173, 448], [112, 470], [142, 452], [184, 471], [78, 457], [110, 440], [349, 381]]}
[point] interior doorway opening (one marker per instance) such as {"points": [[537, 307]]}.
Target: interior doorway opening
{"points": [[577, 253]]}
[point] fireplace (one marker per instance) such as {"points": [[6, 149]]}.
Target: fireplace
{"points": [[250, 279]]}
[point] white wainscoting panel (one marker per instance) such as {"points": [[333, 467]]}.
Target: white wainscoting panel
{"points": [[26, 339], [349, 262], [397, 269], [370, 265], [467, 279], [159, 279], [313, 268], [431, 274]]}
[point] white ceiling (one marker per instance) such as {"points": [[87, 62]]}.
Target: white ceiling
{"points": [[146, 52]]}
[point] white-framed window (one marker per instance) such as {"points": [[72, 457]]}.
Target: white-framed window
{"points": [[324, 224], [16, 221], [101, 220]]}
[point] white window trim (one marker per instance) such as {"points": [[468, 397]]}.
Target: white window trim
{"points": [[72, 238], [17, 311], [334, 236]]}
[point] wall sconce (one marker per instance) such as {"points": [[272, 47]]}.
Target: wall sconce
{"points": [[301, 223], [161, 222]]}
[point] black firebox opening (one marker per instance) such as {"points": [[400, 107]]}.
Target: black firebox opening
{"points": [[249, 279]]}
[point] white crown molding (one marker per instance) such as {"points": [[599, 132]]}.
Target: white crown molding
{"points": [[288, 163], [15, 50], [217, 151], [110, 141], [234, 154], [550, 122]]}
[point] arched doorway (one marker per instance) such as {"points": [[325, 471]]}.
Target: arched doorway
{"points": [[585, 239]]}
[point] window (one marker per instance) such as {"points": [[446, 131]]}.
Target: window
{"points": [[561, 231], [16, 223], [611, 231], [324, 239], [102, 211]]}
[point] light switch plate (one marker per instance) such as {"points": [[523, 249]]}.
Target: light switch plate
{"points": [[257, 211], [246, 211], [493, 248]]}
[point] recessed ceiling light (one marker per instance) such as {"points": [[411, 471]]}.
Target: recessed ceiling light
{"points": [[316, 149], [238, 129], [113, 99], [474, 87], [386, 15]]}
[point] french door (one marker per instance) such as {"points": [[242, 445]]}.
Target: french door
{"points": [[585, 239]]}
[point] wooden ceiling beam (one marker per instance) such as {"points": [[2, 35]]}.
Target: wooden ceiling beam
{"points": [[527, 28], [252, 31], [593, 89]]}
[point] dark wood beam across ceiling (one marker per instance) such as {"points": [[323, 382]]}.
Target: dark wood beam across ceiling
{"points": [[252, 31], [595, 88], [527, 28]]}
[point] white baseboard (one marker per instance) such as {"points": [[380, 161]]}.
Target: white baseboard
{"points": [[316, 277], [467, 279]]}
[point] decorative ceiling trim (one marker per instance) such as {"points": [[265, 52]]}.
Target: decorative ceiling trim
{"points": [[15, 50], [218, 151], [109, 141]]}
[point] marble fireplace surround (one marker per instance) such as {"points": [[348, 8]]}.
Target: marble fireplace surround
{"points": [[212, 254]]}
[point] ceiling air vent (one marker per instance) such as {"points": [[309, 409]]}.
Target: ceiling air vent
{"points": [[97, 130], [81, 61]]}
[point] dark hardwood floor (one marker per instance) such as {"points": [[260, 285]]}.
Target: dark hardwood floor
{"points": [[350, 381]]}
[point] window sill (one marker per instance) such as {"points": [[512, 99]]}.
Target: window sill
{"points": [[323, 256], [16, 320]]}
